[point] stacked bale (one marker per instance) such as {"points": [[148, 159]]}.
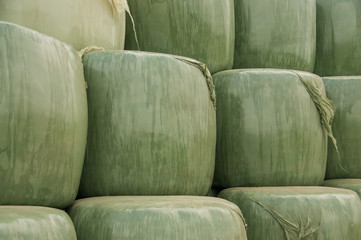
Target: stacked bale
{"points": [[199, 29], [79, 23], [157, 218], [34, 223], [152, 125], [298, 212], [43, 119], [268, 129], [275, 34], [338, 38]]}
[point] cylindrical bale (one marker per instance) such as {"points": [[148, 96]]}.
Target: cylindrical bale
{"points": [[275, 34], [169, 217], [345, 93], [79, 23], [288, 213], [351, 184], [43, 119], [152, 126], [199, 29], [338, 38], [268, 129], [34, 223]]}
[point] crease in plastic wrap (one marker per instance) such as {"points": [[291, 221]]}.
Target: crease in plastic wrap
{"points": [[294, 230], [298, 213]]}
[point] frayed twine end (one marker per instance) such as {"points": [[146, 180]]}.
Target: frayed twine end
{"points": [[122, 5], [203, 68], [325, 107], [86, 50], [89, 49]]}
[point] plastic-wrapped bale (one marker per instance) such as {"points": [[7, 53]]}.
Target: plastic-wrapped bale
{"points": [[199, 29], [351, 184], [268, 128], [275, 34], [290, 213], [34, 223], [168, 217], [43, 119], [152, 125], [338, 38], [78, 23], [345, 92]]}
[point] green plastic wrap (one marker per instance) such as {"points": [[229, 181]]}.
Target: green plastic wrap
{"points": [[43, 119], [268, 128], [152, 125], [298, 213], [275, 34], [338, 38], [79, 23], [35, 223], [345, 92], [153, 218], [199, 29], [351, 184]]}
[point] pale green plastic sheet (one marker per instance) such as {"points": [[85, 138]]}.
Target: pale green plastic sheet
{"points": [[345, 92], [35, 223], [298, 213], [43, 119], [269, 131], [153, 218], [349, 183], [338, 38], [152, 125], [79, 23], [275, 34], [199, 29]]}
